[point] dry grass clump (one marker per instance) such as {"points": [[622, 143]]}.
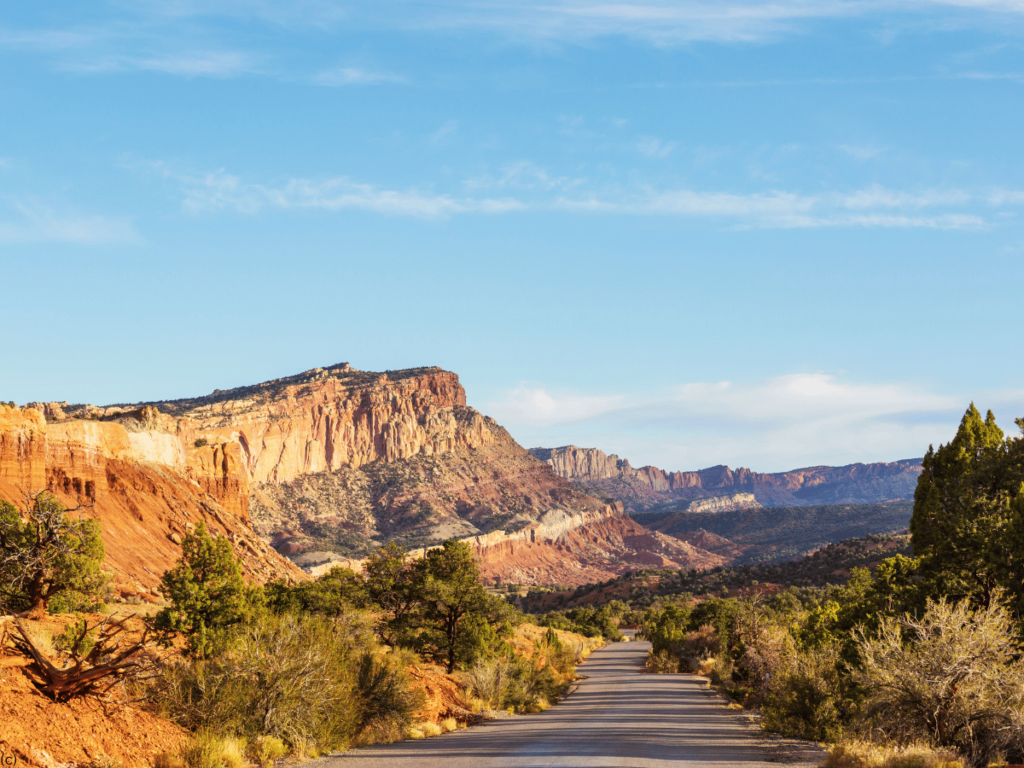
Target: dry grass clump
{"points": [[414, 732], [208, 750], [861, 754], [431, 729], [266, 749], [449, 724]]}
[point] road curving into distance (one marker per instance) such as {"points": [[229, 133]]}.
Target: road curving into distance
{"points": [[618, 716]]}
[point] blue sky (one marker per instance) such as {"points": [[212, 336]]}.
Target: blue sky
{"points": [[762, 234]]}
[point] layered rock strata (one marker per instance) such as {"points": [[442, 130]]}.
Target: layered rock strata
{"points": [[144, 485], [650, 487], [331, 462], [566, 548]]}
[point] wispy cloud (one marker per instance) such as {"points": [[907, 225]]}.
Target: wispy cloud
{"points": [[789, 210], [522, 175], [31, 222], [537, 405], [654, 148], [221, 64], [877, 196], [219, 190], [671, 22], [523, 185], [343, 76], [774, 424]]}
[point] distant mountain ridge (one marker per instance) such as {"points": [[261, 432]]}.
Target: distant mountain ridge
{"points": [[646, 488]]}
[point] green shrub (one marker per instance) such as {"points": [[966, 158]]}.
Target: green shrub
{"points": [[387, 703], [50, 561], [291, 677], [810, 696], [511, 683], [76, 639]]}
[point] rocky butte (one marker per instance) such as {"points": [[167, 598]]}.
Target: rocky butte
{"points": [[323, 466]]}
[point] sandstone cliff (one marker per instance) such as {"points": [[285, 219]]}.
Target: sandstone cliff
{"points": [[330, 463], [144, 486], [649, 487]]}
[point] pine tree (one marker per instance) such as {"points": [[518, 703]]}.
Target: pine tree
{"points": [[207, 592], [962, 507]]}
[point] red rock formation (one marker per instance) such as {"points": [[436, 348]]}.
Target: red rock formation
{"points": [[137, 485], [331, 459]]}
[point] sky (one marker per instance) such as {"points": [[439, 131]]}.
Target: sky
{"points": [[765, 234]]}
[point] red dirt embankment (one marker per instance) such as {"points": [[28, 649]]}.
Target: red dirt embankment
{"points": [[83, 732]]}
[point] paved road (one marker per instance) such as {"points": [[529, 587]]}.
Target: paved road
{"points": [[618, 717]]}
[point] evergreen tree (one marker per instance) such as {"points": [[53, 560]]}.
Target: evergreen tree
{"points": [[963, 511], [392, 584], [460, 621], [45, 556], [207, 592]]}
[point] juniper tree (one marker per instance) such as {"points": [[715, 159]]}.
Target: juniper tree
{"points": [[207, 592], [45, 553]]}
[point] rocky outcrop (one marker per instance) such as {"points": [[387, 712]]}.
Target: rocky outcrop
{"points": [[321, 420], [328, 464], [142, 485], [648, 487], [724, 503]]}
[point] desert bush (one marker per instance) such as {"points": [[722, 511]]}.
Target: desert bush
{"points": [[511, 683], [662, 662], [387, 703], [431, 729], [809, 696], [696, 648], [559, 655], [294, 678], [76, 639], [952, 678], [232, 752], [205, 750], [488, 680], [168, 760], [703, 642]]}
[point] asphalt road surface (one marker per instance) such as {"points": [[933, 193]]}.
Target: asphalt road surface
{"points": [[618, 716]]}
